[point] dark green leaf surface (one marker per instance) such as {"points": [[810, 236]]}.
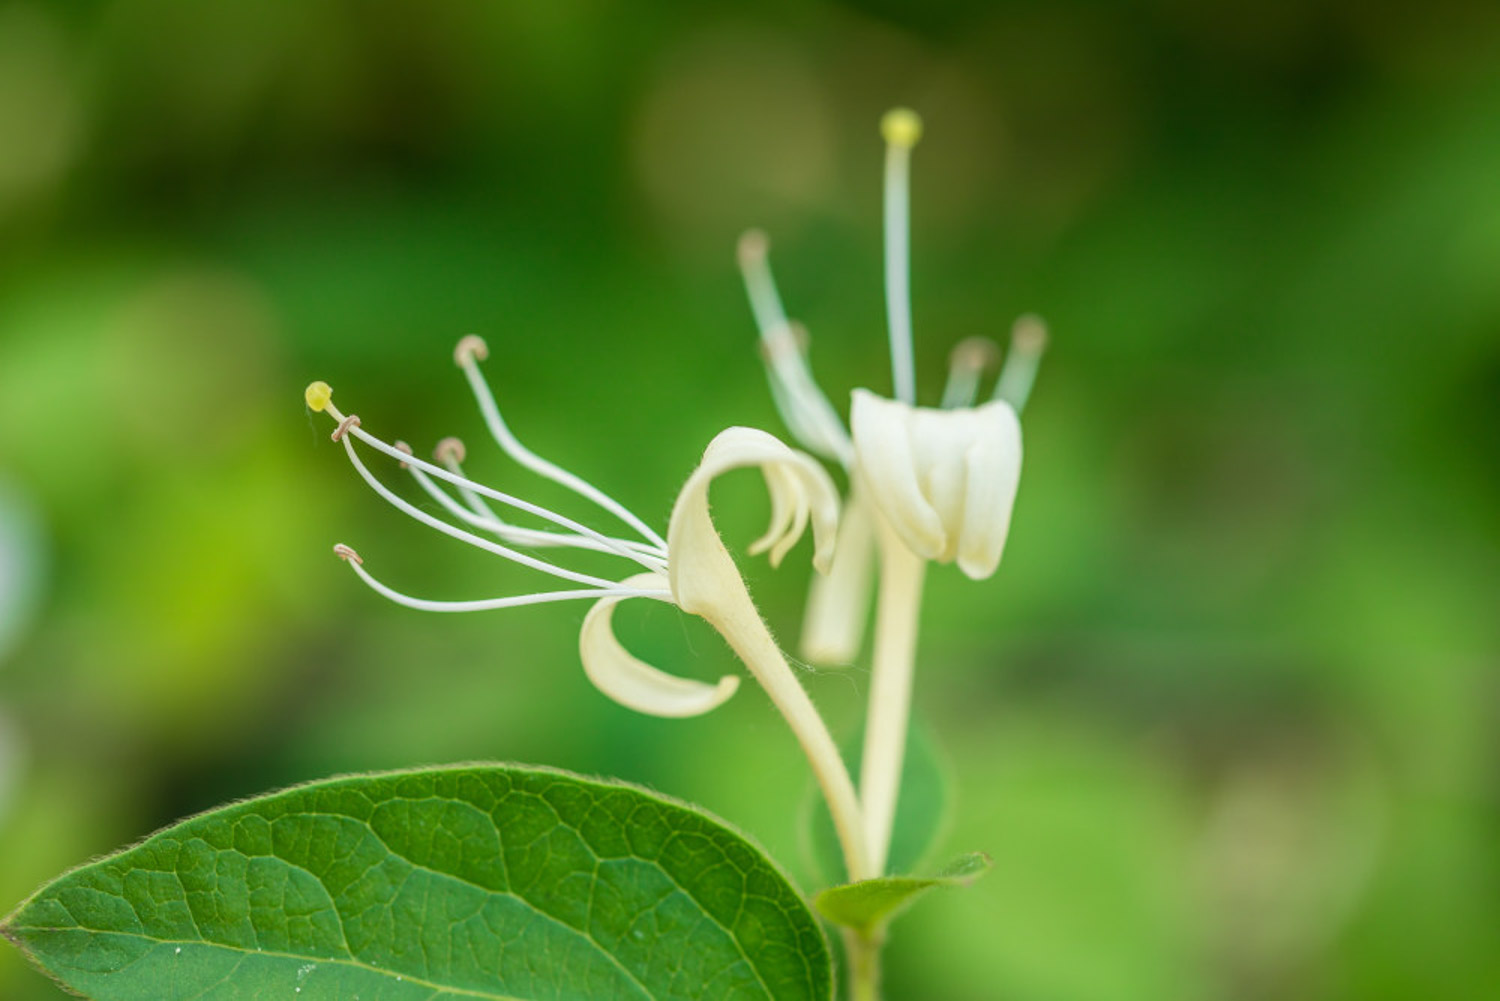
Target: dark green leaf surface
{"points": [[478, 882], [870, 904]]}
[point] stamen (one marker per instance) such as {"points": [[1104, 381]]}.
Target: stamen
{"points": [[802, 405], [450, 451], [473, 348], [1028, 341], [489, 604], [347, 554], [403, 447], [627, 549], [970, 359], [470, 347], [901, 128], [352, 421], [789, 337], [462, 536], [486, 521]]}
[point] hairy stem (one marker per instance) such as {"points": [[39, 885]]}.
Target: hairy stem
{"points": [[863, 955], [735, 617], [898, 609]]}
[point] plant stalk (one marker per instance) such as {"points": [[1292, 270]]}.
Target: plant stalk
{"points": [[863, 955], [736, 618], [899, 607]]}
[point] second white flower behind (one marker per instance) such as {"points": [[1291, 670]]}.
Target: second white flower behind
{"points": [[945, 480]]}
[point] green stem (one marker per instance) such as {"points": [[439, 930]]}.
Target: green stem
{"points": [[898, 609], [734, 615], [863, 955]]}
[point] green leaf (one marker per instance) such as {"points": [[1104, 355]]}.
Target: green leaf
{"points": [[869, 905], [922, 810], [473, 882]]}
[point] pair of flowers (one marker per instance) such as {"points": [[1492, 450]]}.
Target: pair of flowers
{"points": [[926, 484]]}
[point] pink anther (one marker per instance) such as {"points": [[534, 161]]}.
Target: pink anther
{"points": [[471, 346], [352, 421]]}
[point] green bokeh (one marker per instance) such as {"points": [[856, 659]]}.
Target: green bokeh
{"points": [[1225, 717]]}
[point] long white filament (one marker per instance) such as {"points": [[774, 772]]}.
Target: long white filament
{"points": [[506, 440], [457, 533], [493, 494], [902, 129], [966, 365], [476, 503], [485, 521], [1028, 340], [489, 604], [515, 533], [802, 404]]}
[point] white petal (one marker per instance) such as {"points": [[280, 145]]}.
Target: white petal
{"points": [[945, 480], [887, 466], [632, 682], [706, 582], [992, 481], [993, 473], [801, 491]]}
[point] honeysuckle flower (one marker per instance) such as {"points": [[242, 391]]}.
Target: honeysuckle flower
{"points": [[926, 483], [943, 478], [690, 567]]}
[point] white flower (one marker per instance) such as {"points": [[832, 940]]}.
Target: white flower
{"points": [[926, 483], [690, 568], [943, 479]]}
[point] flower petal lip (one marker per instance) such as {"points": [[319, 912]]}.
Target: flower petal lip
{"points": [[945, 480], [993, 465], [885, 460], [632, 682], [801, 493]]}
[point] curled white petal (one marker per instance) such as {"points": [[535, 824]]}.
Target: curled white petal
{"points": [[705, 582], [801, 492], [883, 457], [632, 682], [945, 480]]}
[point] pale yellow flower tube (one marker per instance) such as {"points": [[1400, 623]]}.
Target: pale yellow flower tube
{"points": [[705, 581]]}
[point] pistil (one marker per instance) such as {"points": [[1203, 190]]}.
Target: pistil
{"points": [[901, 129]]}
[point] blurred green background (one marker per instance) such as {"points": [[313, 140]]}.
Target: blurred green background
{"points": [[1227, 716]]}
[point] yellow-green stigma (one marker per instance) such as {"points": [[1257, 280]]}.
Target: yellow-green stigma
{"points": [[901, 127], [318, 395]]}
